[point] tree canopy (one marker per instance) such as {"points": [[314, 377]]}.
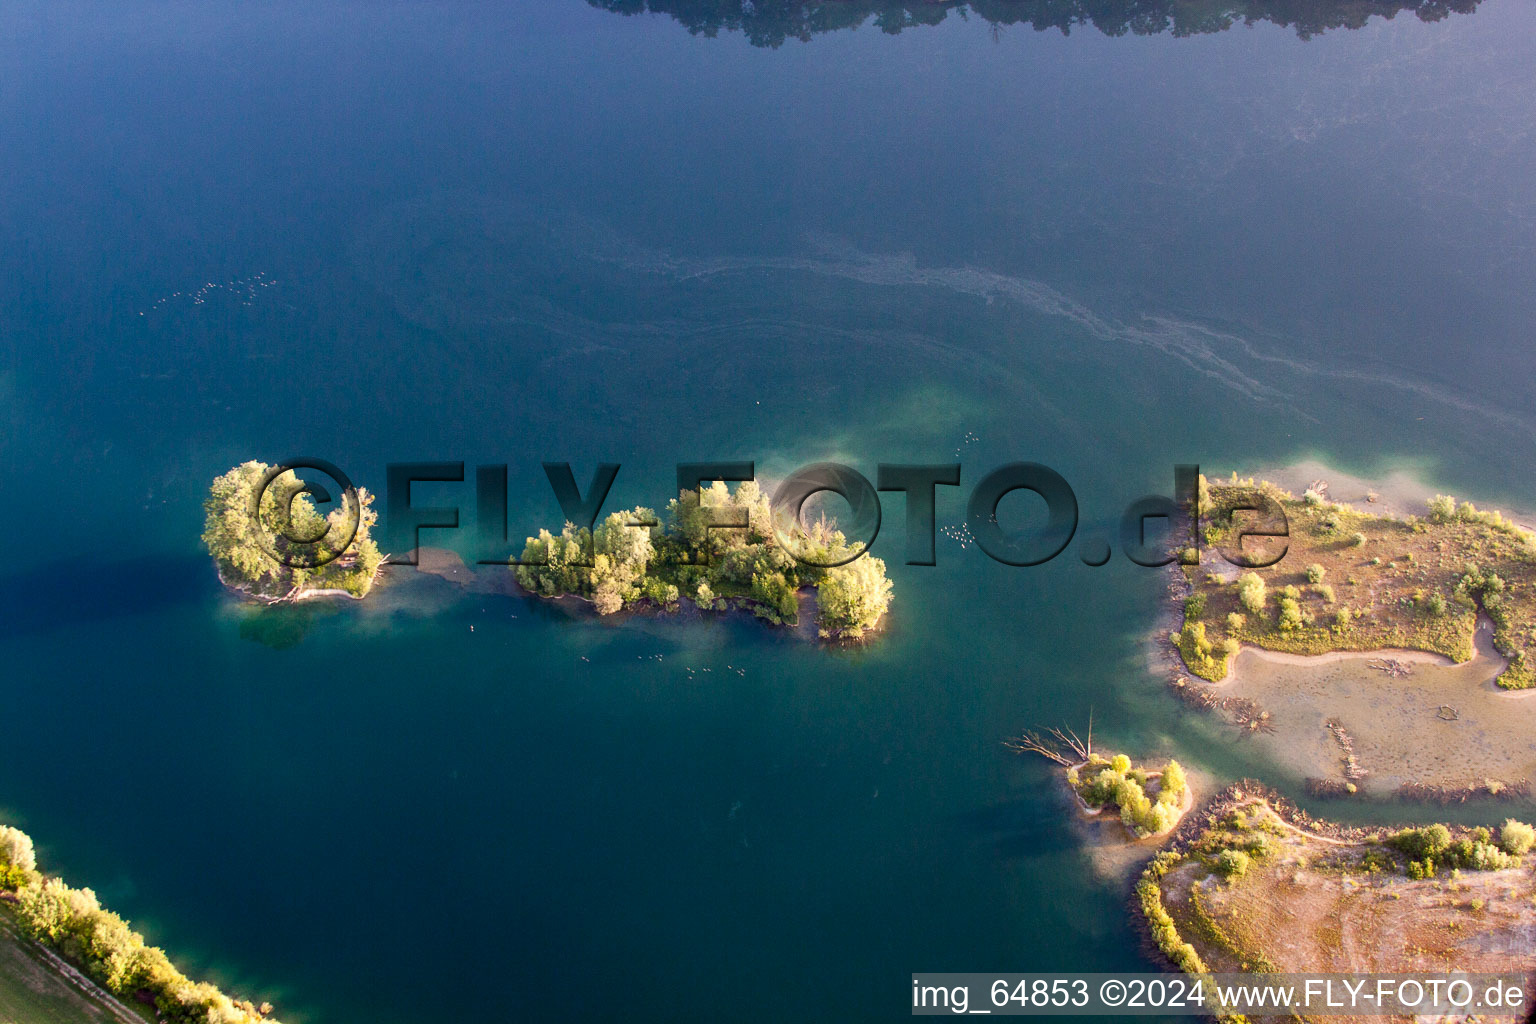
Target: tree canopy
{"points": [[242, 547], [717, 547]]}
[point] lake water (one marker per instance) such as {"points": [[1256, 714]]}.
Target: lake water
{"points": [[547, 231]]}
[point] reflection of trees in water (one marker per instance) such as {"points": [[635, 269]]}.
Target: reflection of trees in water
{"points": [[771, 22]]}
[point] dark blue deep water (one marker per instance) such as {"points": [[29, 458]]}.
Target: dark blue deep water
{"points": [[521, 231]]}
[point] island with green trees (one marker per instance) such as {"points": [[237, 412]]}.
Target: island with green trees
{"points": [[1149, 802], [65, 957], [1354, 581], [634, 558], [243, 549]]}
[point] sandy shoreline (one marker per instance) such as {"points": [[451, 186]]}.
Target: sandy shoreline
{"points": [[1487, 660], [1398, 495]]}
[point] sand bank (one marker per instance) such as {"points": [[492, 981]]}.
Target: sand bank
{"points": [[1443, 724]]}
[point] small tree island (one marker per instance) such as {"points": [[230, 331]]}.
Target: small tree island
{"points": [[1149, 802], [239, 545], [620, 564]]}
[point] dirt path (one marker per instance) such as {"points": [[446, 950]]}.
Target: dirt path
{"points": [[39, 987]]}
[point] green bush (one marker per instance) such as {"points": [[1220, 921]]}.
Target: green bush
{"points": [[1291, 618], [1232, 864], [1252, 592], [16, 849], [1516, 837], [1431, 846], [1101, 788], [852, 598], [1174, 780], [1477, 856], [1203, 657], [1358, 540], [1419, 843], [1442, 508], [1315, 573]]}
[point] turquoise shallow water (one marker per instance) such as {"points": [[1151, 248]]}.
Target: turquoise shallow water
{"points": [[524, 232]]}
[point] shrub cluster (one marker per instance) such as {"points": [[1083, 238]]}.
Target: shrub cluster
{"points": [[1206, 659], [1118, 783], [1517, 838], [1291, 617], [1232, 864], [1432, 848], [1252, 592], [1164, 932]]}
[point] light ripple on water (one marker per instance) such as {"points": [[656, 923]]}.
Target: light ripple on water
{"points": [[482, 247]]}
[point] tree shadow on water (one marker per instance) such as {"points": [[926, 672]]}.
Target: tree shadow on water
{"points": [[279, 627], [1020, 829], [78, 591]]}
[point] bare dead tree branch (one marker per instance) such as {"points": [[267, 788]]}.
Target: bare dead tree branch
{"points": [[1069, 739], [1060, 745], [1030, 742]]}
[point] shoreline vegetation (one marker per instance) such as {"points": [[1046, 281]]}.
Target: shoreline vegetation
{"points": [[246, 566], [89, 947], [1253, 884], [620, 565], [1352, 580]]}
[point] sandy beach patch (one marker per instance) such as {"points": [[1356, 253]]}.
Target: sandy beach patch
{"points": [[1440, 724]]}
